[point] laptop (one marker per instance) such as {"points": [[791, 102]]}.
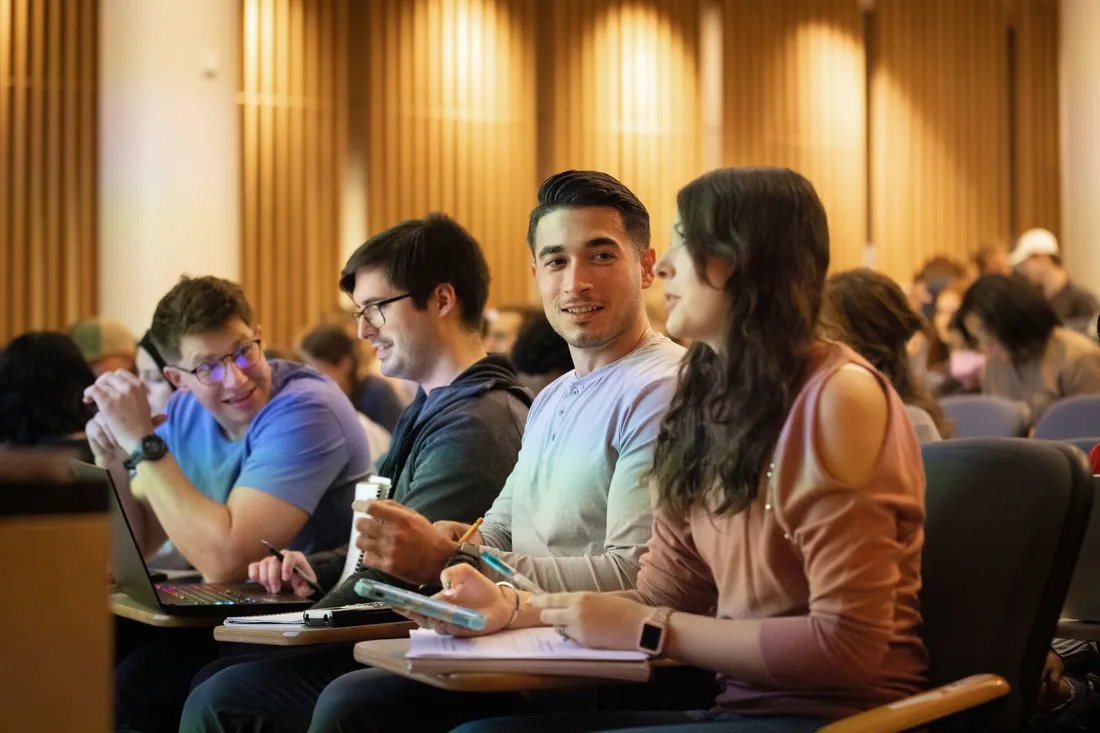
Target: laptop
{"points": [[1083, 598], [183, 598]]}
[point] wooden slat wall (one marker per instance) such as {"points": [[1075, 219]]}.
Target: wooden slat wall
{"points": [[448, 89], [294, 107], [619, 92], [939, 130], [1037, 173], [795, 96], [48, 78]]}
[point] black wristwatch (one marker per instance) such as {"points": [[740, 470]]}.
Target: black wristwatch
{"points": [[467, 553], [151, 448]]}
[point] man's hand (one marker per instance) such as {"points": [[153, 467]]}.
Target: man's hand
{"points": [[401, 542], [123, 408], [108, 453], [455, 530], [273, 573]]}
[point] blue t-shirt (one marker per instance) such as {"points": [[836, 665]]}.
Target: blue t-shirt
{"points": [[305, 446]]}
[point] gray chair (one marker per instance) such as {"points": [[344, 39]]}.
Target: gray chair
{"points": [[987, 416], [1072, 417], [1006, 519], [1084, 444]]}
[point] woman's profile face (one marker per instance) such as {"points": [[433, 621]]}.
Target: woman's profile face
{"points": [[156, 385], [697, 307]]}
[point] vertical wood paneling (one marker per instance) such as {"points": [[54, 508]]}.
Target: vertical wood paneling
{"points": [[619, 92], [795, 97], [1036, 156], [47, 158], [293, 122], [939, 111], [450, 116]]}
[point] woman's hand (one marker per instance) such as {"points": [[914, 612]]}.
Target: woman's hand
{"points": [[595, 620], [464, 586]]}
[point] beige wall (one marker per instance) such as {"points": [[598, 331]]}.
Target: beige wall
{"points": [[169, 174], [1080, 122]]}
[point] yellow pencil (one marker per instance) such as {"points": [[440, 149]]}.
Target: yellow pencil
{"points": [[470, 532]]}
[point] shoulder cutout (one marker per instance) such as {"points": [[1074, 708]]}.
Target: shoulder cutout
{"points": [[851, 424]]}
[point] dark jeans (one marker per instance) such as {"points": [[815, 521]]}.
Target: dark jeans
{"points": [[642, 722], [329, 691], [153, 671]]}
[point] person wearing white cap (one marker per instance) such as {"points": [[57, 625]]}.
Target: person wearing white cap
{"points": [[1038, 259]]}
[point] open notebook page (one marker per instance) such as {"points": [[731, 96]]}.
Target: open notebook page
{"points": [[534, 643]]}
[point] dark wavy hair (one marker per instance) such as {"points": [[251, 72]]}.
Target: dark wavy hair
{"points": [[332, 344], [729, 409], [869, 312], [1016, 314], [43, 376]]}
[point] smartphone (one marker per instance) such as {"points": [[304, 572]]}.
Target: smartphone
{"points": [[355, 615], [405, 600]]}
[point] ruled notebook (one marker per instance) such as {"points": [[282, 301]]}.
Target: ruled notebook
{"points": [[532, 651]]}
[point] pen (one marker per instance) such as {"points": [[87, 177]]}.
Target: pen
{"points": [[494, 562], [470, 531], [311, 583]]}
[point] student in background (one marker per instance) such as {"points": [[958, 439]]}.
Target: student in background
{"points": [[575, 512], [936, 274], [869, 312], [992, 258], [1038, 258], [959, 367], [107, 344], [789, 512], [330, 350], [43, 376], [150, 370], [540, 354], [1030, 356]]}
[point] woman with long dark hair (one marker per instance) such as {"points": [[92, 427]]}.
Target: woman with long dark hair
{"points": [[869, 312], [788, 527]]}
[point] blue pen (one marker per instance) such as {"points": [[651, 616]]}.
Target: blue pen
{"points": [[521, 580], [404, 600]]}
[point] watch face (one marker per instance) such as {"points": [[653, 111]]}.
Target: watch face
{"points": [[651, 638], [153, 447]]}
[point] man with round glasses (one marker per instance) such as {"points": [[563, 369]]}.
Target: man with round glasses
{"points": [[251, 450]]}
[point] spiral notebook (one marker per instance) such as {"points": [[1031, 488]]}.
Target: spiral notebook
{"points": [[375, 487]]}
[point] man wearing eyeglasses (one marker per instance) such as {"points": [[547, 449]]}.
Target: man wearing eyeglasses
{"points": [[251, 450]]}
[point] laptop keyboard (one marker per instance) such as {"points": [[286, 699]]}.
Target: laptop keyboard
{"points": [[206, 595]]}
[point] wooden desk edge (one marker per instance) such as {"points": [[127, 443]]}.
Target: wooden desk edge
{"points": [[297, 636], [389, 654], [124, 606]]}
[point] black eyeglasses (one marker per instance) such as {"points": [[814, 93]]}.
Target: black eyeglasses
{"points": [[213, 372], [373, 313]]}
